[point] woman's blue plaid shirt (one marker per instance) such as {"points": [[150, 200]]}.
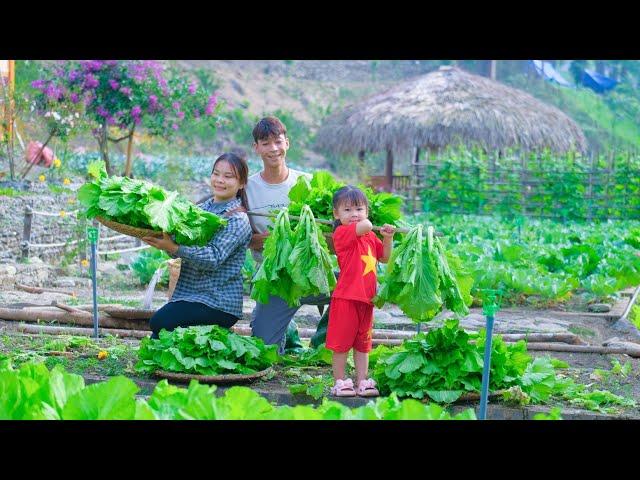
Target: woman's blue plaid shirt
{"points": [[213, 274]]}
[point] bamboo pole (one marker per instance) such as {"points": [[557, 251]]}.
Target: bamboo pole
{"points": [[26, 315], [29, 289], [318, 220], [88, 332], [554, 347]]}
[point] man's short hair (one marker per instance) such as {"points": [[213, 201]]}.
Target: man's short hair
{"points": [[267, 127]]}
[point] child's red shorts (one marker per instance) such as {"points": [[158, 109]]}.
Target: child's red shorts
{"points": [[350, 326]]}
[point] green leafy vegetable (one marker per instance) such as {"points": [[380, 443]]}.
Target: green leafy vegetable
{"points": [[273, 277], [420, 281], [309, 264], [318, 192], [139, 203], [296, 264], [146, 264], [205, 350]]}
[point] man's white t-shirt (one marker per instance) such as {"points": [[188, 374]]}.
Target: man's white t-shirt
{"points": [[264, 197]]}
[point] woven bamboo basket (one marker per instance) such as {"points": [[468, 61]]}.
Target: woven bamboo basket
{"points": [[129, 230], [174, 274], [230, 378]]}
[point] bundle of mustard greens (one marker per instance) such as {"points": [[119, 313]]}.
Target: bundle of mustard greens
{"points": [[420, 280], [296, 263], [139, 203], [318, 192]]}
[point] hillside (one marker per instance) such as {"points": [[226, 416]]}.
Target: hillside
{"points": [[304, 92]]}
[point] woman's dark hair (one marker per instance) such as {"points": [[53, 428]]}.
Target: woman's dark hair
{"points": [[241, 169], [348, 195]]}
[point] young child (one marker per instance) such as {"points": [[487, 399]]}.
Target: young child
{"points": [[351, 309]]}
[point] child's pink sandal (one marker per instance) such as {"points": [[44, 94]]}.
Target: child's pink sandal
{"points": [[343, 388], [367, 388]]}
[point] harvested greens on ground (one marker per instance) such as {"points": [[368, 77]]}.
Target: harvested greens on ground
{"points": [[296, 264], [420, 281], [205, 350], [139, 203]]}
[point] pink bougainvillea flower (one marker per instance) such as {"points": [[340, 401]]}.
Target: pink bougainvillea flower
{"points": [[180, 115], [175, 126], [125, 90], [193, 88], [91, 65], [90, 81], [114, 84]]}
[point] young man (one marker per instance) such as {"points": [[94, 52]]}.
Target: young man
{"points": [[266, 191]]}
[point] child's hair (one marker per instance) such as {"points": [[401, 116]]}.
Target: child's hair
{"points": [[267, 127], [348, 195], [241, 169]]}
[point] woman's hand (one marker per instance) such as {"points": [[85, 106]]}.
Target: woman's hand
{"points": [[387, 230], [165, 243]]}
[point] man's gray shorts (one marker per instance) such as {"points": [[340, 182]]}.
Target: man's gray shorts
{"points": [[270, 321]]}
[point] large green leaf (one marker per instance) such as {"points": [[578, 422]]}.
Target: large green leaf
{"points": [[110, 400]]}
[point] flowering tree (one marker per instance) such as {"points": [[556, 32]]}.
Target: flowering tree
{"points": [[119, 96]]}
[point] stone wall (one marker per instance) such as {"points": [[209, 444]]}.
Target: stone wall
{"points": [[45, 229]]}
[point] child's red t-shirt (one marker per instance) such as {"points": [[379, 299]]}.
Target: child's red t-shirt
{"points": [[357, 258]]}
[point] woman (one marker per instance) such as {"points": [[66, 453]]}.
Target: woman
{"points": [[209, 289]]}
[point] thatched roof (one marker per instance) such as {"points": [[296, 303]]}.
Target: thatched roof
{"points": [[446, 107]]}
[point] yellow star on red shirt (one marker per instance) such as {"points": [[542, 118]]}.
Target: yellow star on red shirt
{"points": [[369, 262]]}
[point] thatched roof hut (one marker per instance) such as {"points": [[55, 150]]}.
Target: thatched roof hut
{"points": [[447, 107]]}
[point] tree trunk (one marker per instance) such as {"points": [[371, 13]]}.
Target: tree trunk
{"points": [[129, 163], [389, 170], [103, 143]]}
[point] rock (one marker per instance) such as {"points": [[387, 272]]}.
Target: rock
{"points": [[381, 317], [108, 268], [599, 307], [627, 328], [35, 273], [617, 342], [7, 275], [8, 270], [64, 282]]}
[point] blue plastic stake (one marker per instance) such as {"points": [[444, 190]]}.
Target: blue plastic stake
{"points": [[490, 305], [92, 234]]}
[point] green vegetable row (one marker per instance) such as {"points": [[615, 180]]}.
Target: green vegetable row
{"points": [[543, 258], [32, 392]]}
